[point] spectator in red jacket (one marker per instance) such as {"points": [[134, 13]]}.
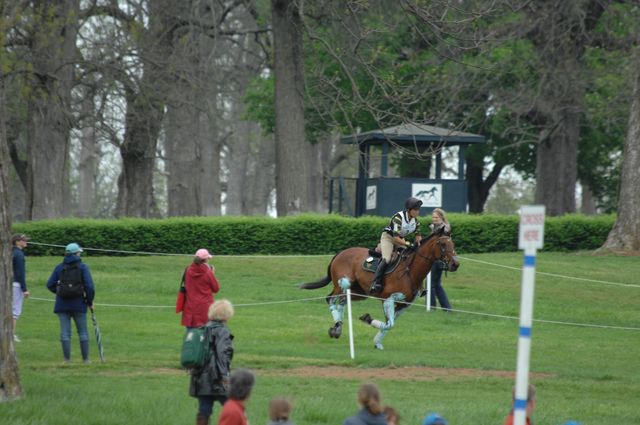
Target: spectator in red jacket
{"points": [[200, 284], [233, 411]]}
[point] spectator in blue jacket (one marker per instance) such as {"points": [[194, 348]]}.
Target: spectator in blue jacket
{"points": [[20, 292], [72, 273]]}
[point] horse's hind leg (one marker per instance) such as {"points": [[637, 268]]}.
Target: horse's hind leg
{"points": [[336, 308]]}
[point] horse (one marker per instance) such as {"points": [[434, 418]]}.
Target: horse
{"points": [[401, 283]]}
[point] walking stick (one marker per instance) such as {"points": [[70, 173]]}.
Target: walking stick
{"points": [[98, 336]]}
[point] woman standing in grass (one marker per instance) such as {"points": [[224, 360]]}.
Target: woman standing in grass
{"points": [[439, 224], [72, 283], [211, 382], [200, 284], [371, 412]]}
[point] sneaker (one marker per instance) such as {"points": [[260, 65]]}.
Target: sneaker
{"points": [[16, 339]]}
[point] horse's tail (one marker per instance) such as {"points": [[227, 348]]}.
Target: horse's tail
{"points": [[321, 282], [316, 284]]}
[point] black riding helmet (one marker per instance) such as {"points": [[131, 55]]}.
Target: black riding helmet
{"points": [[412, 203]]}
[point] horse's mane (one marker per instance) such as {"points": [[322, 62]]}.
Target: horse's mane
{"points": [[441, 232]]}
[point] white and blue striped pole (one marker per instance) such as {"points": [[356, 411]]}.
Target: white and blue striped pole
{"points": [[350, 319], [531, 238]]}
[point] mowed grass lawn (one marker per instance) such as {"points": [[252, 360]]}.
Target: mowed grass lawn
{"points": [[459, 364]]}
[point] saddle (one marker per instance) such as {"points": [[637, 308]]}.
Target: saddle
{"points": [[370, 264]]}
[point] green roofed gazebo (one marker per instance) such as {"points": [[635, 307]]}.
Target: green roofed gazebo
{"points": [[383, 195]]}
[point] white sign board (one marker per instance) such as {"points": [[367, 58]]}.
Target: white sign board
{"points": [[429, 193], [372, 193], [531, 227]]}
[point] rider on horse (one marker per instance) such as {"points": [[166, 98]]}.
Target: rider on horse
{"points": [[402, 224]]}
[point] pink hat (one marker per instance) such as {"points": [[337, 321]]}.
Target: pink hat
{"points": [[203, 254]]}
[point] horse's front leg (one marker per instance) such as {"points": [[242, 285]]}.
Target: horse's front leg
{"points": [[389, 307], [336, 308]]}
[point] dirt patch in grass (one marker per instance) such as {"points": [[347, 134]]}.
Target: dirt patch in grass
{"points": [[394, 373], [412, 373]]}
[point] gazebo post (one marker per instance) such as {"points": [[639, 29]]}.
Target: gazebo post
{"points": [[461, 149], [384, 160], [361, 189]]}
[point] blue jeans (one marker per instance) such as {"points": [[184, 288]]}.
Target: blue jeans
{"points": [[65, 326], [205, 403], [437, 291]]}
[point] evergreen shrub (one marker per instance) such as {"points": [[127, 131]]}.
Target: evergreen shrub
{"points": [[302, 234]]}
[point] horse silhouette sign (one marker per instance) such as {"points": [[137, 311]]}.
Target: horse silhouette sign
{"points": [[429, 193]]}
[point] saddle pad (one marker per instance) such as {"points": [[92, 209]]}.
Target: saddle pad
{"points": [[370, 264]]}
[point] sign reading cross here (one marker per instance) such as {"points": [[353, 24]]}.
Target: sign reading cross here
{"points": [[531, 227], [531, 238]]}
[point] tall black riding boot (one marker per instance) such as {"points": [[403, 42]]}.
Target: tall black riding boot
{"points": [[376, 286]]}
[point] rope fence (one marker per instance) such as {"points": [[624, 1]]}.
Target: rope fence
{"points": [[498, 316]]}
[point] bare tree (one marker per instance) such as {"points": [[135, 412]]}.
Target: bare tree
{"points": [[625, 234], [145, 112], [293, 174], [53, 52], [89, 157], [10, 387]]}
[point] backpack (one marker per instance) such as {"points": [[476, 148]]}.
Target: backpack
{"points": [[195, 348], [70, 283]]}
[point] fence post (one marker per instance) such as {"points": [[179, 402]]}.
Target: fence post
{"points": [[531, 237]]}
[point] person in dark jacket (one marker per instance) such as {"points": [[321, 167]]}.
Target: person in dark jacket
{"points": [[200, 284], [72, 270], [439, 224], [371, 412], [210, 383], [20, 292]]}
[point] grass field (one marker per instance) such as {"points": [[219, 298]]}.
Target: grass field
{"points": [[460, 364]]}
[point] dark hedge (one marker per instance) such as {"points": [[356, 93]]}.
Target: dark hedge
{"points": [[303, 234]]}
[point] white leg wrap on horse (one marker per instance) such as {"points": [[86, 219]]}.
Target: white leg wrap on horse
{"points": [[344, 283], [377, 324], [389, 307], [377, 340], [336, 308]]}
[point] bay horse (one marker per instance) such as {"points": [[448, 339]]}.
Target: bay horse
{"points": [[401, 283]]}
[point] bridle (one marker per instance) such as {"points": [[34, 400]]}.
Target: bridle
{"points": [[443, 252]]}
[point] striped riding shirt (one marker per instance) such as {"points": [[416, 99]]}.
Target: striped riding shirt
{"points": [[401, 225]]}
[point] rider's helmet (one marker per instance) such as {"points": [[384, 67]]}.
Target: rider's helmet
{"points": [[412, 203]]}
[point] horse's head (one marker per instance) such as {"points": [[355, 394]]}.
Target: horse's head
{"points": [[448, 253], [440, 247]]}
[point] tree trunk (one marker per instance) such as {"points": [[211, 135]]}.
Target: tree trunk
{"points": [[10, 387], [89, 156], [49, 107], [183, 156], [293, 176], [588, 204], [263, 177], [143, 120], [479, 188], [625, 234], [138, 152], [238, 168], [557, 163]]}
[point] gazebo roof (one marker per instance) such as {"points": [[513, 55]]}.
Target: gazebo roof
{"points": [[412, 133]]}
